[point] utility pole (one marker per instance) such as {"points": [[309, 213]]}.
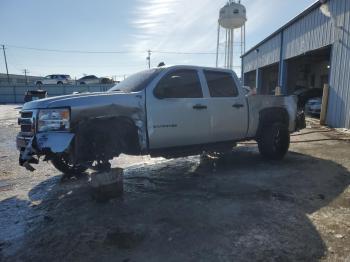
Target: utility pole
{"points": [[25, 71], [7, 70], [149, 58]]}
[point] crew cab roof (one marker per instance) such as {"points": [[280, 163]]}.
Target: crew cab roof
{"points": [[197, 67]]}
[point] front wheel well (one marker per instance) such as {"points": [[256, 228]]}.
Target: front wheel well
{"points": [[104, 138]]}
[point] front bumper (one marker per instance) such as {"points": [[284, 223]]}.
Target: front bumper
{"points": [[22, 142], [31, 148]]}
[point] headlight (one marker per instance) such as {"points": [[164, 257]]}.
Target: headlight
{"points": [[54, 120]]}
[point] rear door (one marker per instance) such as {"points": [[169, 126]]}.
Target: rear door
{"points": [[227, 107], [177, 112], [53, 80]]}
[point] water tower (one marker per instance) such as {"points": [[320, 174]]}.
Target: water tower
{"points": [[233, 16]]}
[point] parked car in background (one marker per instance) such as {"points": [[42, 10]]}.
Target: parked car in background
{"points": [[106, 80], [55, 80], [313, 107], [94, 80], [33, 95], [305, 94], [89, 80], [309, 100]]}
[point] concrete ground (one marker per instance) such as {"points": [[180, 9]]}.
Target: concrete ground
{"points": [[236, 208]]}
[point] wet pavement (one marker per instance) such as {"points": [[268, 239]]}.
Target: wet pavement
{"points": [[237, 207]]}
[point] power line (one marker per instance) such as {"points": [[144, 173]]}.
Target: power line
{"points": [[184, 53], [71, 51], [149, 52], [108, 52]]}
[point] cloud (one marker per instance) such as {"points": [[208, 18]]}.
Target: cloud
{"points": [[174, 25], [191, 26]]}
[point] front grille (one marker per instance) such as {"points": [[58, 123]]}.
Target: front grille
{"points": [[26, 114], [26, 128]]}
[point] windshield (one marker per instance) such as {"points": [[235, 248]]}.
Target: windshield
{"points": [[136, 82]]}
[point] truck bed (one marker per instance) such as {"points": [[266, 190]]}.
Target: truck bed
{"points": [[259, 102]]}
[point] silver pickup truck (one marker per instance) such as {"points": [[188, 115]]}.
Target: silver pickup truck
{"points": [[171, 112]]}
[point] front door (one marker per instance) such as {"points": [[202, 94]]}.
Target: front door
{"points": [[177, 112]]}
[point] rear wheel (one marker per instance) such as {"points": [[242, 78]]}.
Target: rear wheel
{"points": [[63, 164], [274, 141], [60, 83]]}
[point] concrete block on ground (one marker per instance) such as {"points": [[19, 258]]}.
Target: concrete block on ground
{"points": [[107, 185]]}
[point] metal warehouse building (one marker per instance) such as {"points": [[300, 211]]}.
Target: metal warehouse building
{"points": [[310, 51]]}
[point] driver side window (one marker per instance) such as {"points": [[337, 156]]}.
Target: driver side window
{"points": [[182, 83]]}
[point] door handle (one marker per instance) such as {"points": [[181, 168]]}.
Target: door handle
{"points": [[238, 106], [200, 107]]}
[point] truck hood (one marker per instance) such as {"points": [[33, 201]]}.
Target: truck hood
{"points": [[96, 105], [78, 100]]}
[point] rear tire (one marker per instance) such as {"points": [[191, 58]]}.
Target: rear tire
{"points": [[60, 83], [62, 164], [274, 141]]}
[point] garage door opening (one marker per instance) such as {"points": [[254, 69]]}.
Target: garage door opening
{"points": [[268, 79], [307, 76], [250, 79]]}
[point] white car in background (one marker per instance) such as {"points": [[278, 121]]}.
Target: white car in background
{"points": [[55, 80]]}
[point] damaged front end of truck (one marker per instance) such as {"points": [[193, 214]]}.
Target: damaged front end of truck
{"points": [[96, 129], [44, 132]]}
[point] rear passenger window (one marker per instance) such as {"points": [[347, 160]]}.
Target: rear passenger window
{"points": [[221, 84], [179, 84]]}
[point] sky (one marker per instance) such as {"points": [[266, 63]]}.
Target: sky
{"points": [[112, 37]]}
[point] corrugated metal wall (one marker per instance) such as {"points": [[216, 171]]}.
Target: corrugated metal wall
{"points": [[249, 62], [269, 53], [309, 33], [339, 103]]}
